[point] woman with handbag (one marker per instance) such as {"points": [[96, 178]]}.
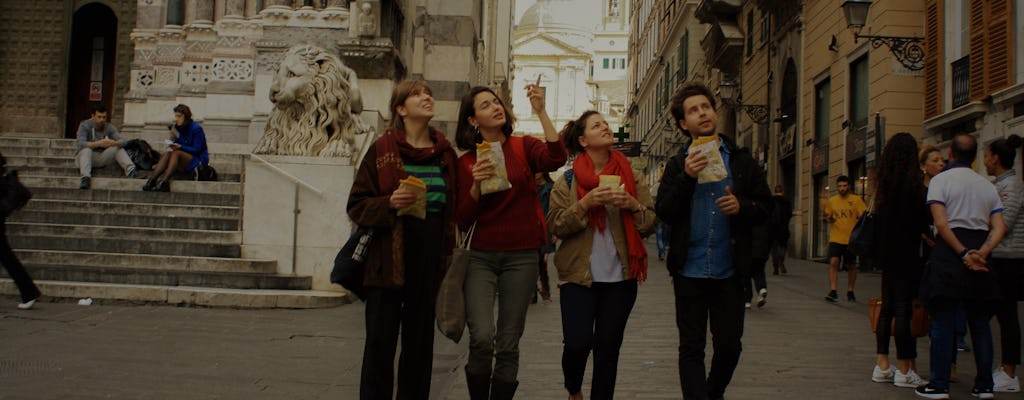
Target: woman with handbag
{"points": [[404, 262], [26, 287], [602, 257], [901, 217], [1008, 258], [509, 229]]}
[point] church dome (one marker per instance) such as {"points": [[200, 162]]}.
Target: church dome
{"points": [[555, 15]]}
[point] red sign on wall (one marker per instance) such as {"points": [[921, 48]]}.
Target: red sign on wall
{"points": [[95, 91]]}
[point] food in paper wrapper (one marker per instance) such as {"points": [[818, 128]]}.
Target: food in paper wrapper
{"points": [[499, 181], [715, 170], [612, 181], [418, 208]]}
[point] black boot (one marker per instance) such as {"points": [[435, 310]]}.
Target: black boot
{"points": [[501, 390], [479, 386], [150, 184]]}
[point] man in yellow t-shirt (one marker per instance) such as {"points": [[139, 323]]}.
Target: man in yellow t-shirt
{"points": [[842, 211]]}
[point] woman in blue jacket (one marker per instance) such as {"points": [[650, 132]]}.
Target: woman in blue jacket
{"points": [[187, 150]]}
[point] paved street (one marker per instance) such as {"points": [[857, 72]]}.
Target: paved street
{"points": [[796, 347]]}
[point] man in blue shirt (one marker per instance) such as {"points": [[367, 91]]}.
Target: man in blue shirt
{"points": [[710, 254]]}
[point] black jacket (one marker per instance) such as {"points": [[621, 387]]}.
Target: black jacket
{"points": [[675, 198]]}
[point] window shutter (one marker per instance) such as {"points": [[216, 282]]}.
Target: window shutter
{"points": [[933, 66], [978, 49], [999, 43]]}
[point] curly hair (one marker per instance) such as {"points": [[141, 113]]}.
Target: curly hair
{"points": [[898, 171]]}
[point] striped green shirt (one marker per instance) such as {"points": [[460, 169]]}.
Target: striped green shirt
{"points": [[431, 175]]}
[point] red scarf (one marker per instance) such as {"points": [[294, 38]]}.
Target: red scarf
{"points": [[618, 164], [392, 147]]}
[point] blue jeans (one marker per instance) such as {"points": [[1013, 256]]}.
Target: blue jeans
{"points": [[664, 235], [943, 313]]}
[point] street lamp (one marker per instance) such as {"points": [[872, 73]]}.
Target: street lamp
{"points": [[731, 98], [906, 49]]}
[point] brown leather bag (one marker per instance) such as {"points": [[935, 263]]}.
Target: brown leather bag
{"points": [[920, 323]]}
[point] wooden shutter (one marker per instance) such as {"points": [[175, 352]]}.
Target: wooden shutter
{"points": [[978, 50], [933, 65], [999, 45]]}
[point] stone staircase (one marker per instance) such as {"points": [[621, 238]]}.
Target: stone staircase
{"points": [[115, 242]]}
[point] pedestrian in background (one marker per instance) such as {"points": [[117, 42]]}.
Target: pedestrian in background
{"points": [[778, 229], [26, 287], [760, 248], [99, 144], [842, 211], [712, 225], [969, 218], [602, 256], [1008, 258], [544, 185], [405, 260], [901, 218], [509, 229], [664, 239]]}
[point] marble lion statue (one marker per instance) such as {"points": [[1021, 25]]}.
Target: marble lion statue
{"points": [[316, 106]]}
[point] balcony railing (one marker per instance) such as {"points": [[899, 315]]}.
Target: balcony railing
{"points": [[961, 81]]}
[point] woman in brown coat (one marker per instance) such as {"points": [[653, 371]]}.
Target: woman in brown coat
{"points": [[405, 260]]}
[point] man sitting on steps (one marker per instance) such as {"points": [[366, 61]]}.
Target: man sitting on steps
{"points": [[99, 144]]}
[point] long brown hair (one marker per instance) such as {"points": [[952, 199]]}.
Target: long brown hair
{"points": [[400, 94]]}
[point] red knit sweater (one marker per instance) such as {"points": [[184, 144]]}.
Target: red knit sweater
{"points": [[511, 219]]}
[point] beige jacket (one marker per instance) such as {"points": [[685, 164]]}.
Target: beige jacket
{"points": [[577, 237]]}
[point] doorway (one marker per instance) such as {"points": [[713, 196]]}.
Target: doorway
{"points": [[90, 64]]}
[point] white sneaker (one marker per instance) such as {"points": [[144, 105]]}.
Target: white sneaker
{"points": [[762, 297], [27, 305], [878, 375], [1004, 383], [910, 380]]}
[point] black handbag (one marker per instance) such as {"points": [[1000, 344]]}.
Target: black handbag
{"points": [[348, 264], [13, 194], [862, 238]]}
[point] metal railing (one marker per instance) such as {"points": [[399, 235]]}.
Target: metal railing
{"points": [[299, 183], [961, 81]]}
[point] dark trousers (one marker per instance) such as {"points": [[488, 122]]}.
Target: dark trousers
{"points": [[22, 280], [757, 274], [898, 293], [1008, 272], [779, 254], [408, 310], [697, 302], [594, 318], [943, 314]]}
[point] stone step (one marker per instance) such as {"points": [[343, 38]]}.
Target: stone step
{"points": [[185, 295], [112, 218], [129, 246], [147, 261], [110, 173], [16, 141], [132, 276], [137, 209], [135, 196], [125, 233], [35, 151], [224, 163], [127, 184]]}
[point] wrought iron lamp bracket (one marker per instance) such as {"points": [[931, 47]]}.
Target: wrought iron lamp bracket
{"points": [[906, 49]]}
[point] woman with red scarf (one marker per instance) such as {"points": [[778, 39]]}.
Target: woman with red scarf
{"points": [[601, 211], [405, 260]]}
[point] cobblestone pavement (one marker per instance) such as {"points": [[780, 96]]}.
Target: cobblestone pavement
{"points": [[797, 347]]}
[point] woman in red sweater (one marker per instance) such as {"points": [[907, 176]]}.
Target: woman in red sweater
{"points": [[509, 230]]}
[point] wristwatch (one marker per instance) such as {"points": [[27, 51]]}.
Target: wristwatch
{"points": [[963, 254]]}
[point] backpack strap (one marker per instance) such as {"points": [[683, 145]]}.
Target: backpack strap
{"points": [[568, 177]]}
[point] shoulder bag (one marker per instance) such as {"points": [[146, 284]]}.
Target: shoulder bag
{"points": [[450, 308], [348, 264]]}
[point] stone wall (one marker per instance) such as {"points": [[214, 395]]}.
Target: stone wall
{"points": [[34, 37]]}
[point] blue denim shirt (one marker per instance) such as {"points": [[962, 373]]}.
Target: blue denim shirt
{"points": [[710, 252]]}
